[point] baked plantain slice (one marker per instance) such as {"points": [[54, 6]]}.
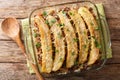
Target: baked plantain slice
{"points": [[70, 37], [94, 33], [46, 45], [58, 43], [82, 35]]}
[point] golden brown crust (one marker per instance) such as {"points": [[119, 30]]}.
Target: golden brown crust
{"points": [[58, 42], [82, 35], [92, 25], [46, 45], [72, 50]]}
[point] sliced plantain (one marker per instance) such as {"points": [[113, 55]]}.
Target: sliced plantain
{"points": [[94, 33], [58, 42], [82, 35], [70, 37], [46, 45]]}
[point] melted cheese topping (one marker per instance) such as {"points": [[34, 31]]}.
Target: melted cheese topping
{"points": [[46, 45], [58, 42], [92, 25], [69, 36], [82, 34]]}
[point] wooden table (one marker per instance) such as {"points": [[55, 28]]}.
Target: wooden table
{"points": [[13, 63]]}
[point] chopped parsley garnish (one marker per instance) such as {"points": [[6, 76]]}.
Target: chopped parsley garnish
{"points": [[61, 59], [63, 12], [61, 24], [56, 51], [53, 21], [84, 46], [97, 28], [36, 35], [59, 35], [93, 37], [72, 14], [73, 53], [47, 48], [76, 63], [68, 30], [84, 32], [44, 13], [75, 39], [97, 44], [47, 22], [91, 23], [38, 45]]}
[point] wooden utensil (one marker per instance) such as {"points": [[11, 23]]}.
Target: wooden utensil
{"points": [[11, 28]]}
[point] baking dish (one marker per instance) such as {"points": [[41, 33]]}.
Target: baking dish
{"points": [[104, 33]]}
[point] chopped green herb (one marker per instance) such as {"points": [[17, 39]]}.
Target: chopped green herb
{"points": [[84, 46], [47, 48], [91, 23], [71, 13], [44, 13], [81, 65], [97, 44], [36, 35], [63, 12], [56, 51], [75, 39], [58, 24], [61, 24], [97, 28], [53, 21], [59, 35], [73, 53], [87, 41], [61, 59], [38, 45], [93, 37], [68, 30], [84, 32], [35, 30], [76, 63], [47, 22]]}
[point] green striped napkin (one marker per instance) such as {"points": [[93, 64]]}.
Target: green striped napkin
{"points": [[26, 32]]}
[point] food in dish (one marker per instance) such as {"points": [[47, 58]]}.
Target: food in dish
{"points": [[66, 38]]}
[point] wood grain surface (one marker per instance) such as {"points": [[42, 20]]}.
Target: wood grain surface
{"points": [[13, 63]]}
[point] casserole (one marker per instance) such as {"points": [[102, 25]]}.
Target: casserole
{"points": [[56, 68]]}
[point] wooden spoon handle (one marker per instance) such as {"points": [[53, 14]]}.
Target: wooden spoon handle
{"points": [[36, 71], [34, 67], [20, 44]]}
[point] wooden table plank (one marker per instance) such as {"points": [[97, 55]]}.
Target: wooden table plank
{"points": [[109, 72], [10, 52], [15, 71], [21, 8], [114, 25], [19, 71]]}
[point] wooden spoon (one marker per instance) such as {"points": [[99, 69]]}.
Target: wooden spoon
{"points": [[11, 28]]}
